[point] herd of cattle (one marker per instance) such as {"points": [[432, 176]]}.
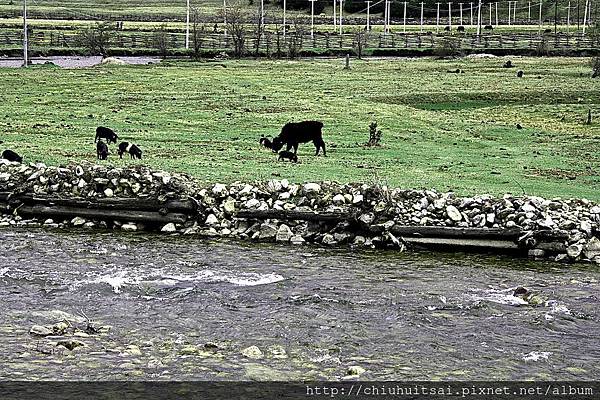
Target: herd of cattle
{"points": [[292, 134]]}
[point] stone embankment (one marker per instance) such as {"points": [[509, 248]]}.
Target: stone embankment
{"points": [[328, 213]]}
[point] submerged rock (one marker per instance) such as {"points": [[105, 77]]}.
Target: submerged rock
{"points": [[252, 352]]}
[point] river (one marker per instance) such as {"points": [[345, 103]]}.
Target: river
{"points": [[183, 308]]}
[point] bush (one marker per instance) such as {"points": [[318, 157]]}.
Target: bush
{"points": [[447, 47], [97, 39]]}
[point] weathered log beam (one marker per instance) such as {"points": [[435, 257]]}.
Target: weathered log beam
{"points": [[453, 232], [102, 214], [462, 243], [112, 203], [295, 215]]}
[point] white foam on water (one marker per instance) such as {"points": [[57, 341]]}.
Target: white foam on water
{"points": [[118, 280], [3, 271], [537, 356], [500, 296]]}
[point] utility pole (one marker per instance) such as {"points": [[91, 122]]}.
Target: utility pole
{"points": [[569, 19], [585, 15], [422, 16], [341, 15], [540, 21], [25, 36], [284, 20], [471, 8], [515, 12], [187, 26], [496, 13], [450, 15], [490, 13], [509, 4], [405, 17], [479, 19], [389, 5], [461, 13], [312, 18], [334, 15], [369, 15], [225, 18], [555, 16], [437, 23], [529, 14]]}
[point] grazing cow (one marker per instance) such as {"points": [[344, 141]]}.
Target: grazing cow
{"points": [[447, 29], [106, 133], [508, 64], [289, 155], [460, 28], [548, 31], [520, 73], [294, 133], [519, 127], [456, 71], [265, 142], [101, 150], [132, 149], [11, 156], [488, 28]]}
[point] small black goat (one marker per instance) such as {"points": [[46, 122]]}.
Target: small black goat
{"points": [[289, 155], [101, 150], [132, 149]]}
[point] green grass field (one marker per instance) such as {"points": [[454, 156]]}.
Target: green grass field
{"points": [[440, 130]]}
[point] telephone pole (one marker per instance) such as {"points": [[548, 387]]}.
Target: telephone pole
{"points": [[312, 18], [25, 38], [187, 26], [369, 15]]}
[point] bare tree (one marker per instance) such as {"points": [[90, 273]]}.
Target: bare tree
{"points": [[258, 31], [198, 30], [360, 41], [296, 38], [235, 26], [97, 39], [161, 41]]}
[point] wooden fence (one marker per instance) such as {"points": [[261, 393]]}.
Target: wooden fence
{"points": [[271, 42]]}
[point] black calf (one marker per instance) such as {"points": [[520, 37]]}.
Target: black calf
{"points": [[11, 156], [294, 133], [488, 28], [106, 133], [101, 150], [265, 142], [287, 154], [132, 149], [460, 28]]}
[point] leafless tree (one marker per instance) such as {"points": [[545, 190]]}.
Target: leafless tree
{"points": [[296, 37], [198, 30], [97, 39], [161, 41], [360, 41], [235, 26]]}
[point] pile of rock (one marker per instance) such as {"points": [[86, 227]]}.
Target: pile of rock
{"points": [[371, 211], [93, 181]]}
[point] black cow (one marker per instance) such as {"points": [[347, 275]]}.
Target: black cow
{"points": [[132, 149], [460, 28], [287, 154], [11, 156], [508, 64], [520, 74], [106, 133], [294, 133], [101, 150], [488, 28], [447, 29]]}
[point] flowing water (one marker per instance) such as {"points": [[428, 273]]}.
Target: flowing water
{"points": [[185, 308]]}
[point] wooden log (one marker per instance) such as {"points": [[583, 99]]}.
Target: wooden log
{"points": [[453, 232], [295, 215], [112, 203], [101, 214], [463, 243]]}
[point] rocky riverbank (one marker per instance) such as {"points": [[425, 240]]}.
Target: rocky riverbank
{"points": [[368, 213]]}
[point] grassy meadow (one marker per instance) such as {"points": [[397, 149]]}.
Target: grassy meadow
{"points": [[440, 130]]}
